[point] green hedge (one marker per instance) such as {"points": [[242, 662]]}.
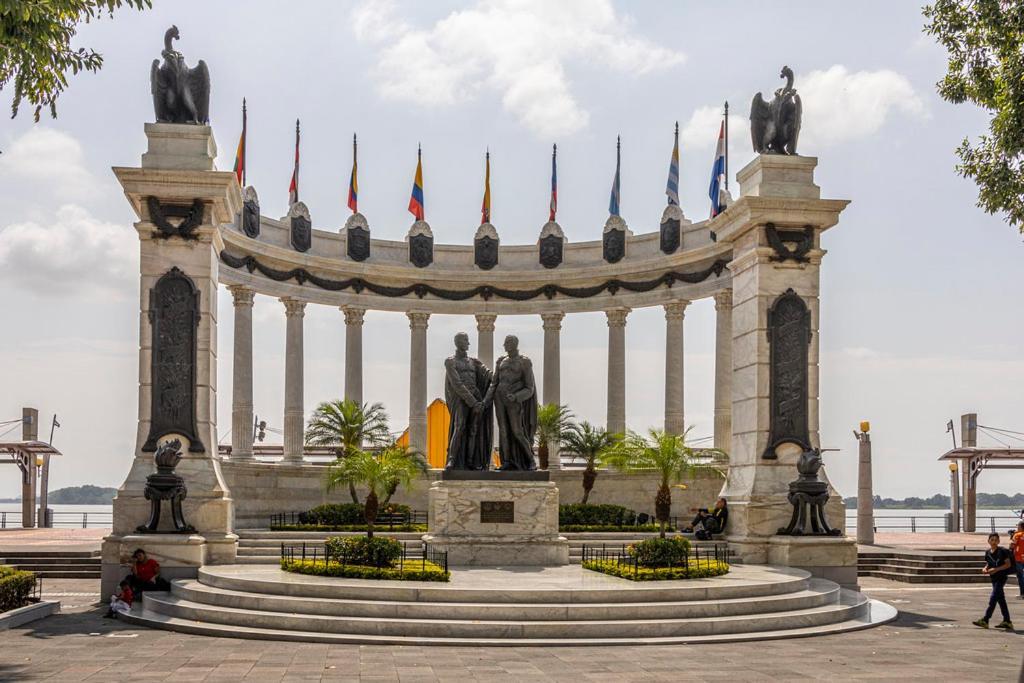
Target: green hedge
{"points": [[417, 571], [361, 528], [706, 569], [15, 587], [600, 528], [655, 552], [600, 515], [379, 551], [344, 514]]}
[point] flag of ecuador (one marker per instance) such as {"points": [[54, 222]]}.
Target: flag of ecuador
{"points": [[416, 200]]}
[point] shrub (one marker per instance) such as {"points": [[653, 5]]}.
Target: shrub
{"points": [[15, 587], [378, 551], [418, 570], [580, 514], [600, 528], [706, 569], [660, 552], [346, 514]]}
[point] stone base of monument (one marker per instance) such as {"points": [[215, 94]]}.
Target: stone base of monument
{"points": [[496, 522], [180, 555], [827, 557]]}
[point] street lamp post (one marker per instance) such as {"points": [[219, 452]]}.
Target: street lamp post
{"points": [[865, 495], [954, 496]]}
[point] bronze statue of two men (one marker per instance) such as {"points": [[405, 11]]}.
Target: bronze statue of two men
{"points": [[473, 394]]}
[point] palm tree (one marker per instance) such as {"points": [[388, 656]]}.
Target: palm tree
{"points": [[347, 426], [666, 454], [590, 443], [392, 466], [552, 421]]}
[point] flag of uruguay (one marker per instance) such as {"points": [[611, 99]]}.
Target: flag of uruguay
{"points": [[717, 171], [672, 187]]}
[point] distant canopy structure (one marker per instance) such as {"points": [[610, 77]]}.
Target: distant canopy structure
{"points": [[180, 94], [775, 125]]}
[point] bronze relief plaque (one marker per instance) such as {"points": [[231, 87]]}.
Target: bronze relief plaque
{"points": [[497, 512]]}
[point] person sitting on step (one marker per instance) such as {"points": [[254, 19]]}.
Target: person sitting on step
{"points": [[708, 522], [145, 574], [121, 601]]}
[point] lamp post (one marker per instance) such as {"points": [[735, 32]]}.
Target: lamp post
{"points": [[954, 496], [865, 496]]}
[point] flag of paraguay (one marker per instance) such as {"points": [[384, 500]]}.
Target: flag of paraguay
{"points": [[416, 200], [717, 172]]}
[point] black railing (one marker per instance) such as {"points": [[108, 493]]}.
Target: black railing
{"points": [[386, 521], [414, 557], [705, 556], [12, 520]]}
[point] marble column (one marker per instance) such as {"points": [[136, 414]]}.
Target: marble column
{"points": [[241, 375], [418, 380], [294, 414], [485, 338], [723, 370], [553, 373], [354, 352], [616, 421], [674, 313]]}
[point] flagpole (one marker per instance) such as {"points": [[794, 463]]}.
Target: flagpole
{"points": [[727, 145], [244, 141]]}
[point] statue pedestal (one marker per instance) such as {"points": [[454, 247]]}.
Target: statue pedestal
{"points": [[829, 557], [180, 556], [496, 522]]}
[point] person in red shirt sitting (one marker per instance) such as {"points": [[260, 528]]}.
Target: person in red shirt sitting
{"points": [[121, 602], [146, 574]]}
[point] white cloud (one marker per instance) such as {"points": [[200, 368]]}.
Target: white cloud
{"points": [[73, 251], [838, 106], [45, 155], [518, 48]]}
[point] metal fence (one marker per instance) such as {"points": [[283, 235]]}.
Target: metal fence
{"points": [[81, 520], [933, 524], [384, 522], [414, 557], [705, 556]]}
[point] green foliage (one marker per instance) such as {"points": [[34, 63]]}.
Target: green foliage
{"points": [[984, 40], [666, 454], [35, 46], [417, 571], [552, 422], [380, 472], [624, 571], [603, 528], [660, 552], [347, 426], [591, 443], [377, 551], [15, 587], [345, 514], [599, 515]]}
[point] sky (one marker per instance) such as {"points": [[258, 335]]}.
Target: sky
{"points": [[920, 312]]}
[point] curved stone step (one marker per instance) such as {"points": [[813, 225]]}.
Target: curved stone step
{"points": [[850, 606], [817, 594], [546, 586], [873, 614]]}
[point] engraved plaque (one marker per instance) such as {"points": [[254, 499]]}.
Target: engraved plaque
{"points": [[497, 512]]}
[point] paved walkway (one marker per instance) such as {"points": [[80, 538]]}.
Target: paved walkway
{"points": [[931, 640]]}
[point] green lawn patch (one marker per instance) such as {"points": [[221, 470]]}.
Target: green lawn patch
{"points": [[415, 570]]}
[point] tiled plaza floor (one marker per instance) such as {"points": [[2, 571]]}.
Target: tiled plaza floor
{"points": [[931, 640]]}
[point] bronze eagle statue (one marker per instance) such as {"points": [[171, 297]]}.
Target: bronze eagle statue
{"points": [[180, 94], [775, 125]]}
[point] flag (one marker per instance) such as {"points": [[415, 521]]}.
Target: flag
{"points": [[293, 188], [485, 208], [240, 152], [353, 185], [672, 186], [717, 173], [949, 426], [554, 183], [416, 200], [613, 201]]}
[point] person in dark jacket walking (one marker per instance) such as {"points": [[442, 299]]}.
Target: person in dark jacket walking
{"points": [[998, 567]]}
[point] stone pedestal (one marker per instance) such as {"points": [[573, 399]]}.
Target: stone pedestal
{"points": [[496, 523], [832, 558], [179, 555]]}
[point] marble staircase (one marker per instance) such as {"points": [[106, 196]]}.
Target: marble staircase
{"points": [[525, 606]]}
